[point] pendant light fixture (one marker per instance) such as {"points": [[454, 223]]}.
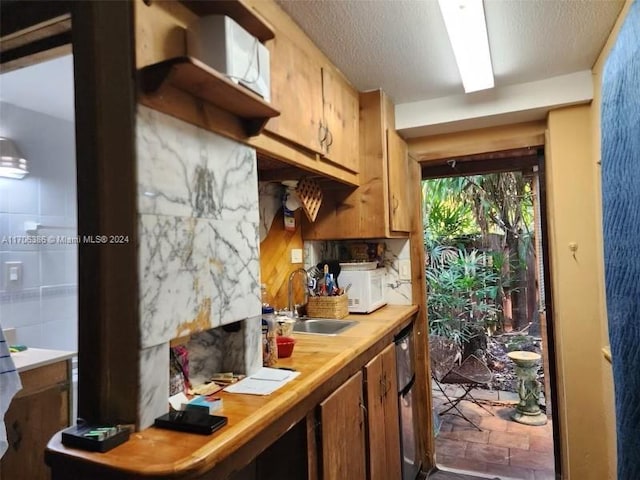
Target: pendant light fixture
{"points": [[12, 164]]}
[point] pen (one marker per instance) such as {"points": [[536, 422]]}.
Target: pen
{"points": [[287, 368]]}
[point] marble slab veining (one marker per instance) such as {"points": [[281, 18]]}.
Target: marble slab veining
{"points": [[190, 172], [198, 228], [196, 274], [397, 292], [153, 384], [217, 350]]}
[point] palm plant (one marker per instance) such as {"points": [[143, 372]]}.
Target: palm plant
{"points": [[457, 208]]}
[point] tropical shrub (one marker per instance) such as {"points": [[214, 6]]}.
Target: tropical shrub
{"points": [[463, 287]]}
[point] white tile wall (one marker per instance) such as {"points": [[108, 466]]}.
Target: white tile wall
{"points": [[43, 308]]}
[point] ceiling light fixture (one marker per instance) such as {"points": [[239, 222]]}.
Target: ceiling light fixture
{"points": [[12, 164], [467, 30]]}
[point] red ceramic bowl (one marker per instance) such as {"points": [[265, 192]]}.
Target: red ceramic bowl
{"points": [[285, 346]]}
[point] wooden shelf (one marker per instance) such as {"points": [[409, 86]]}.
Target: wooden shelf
{"points": [[194, 77], [236, 9]]}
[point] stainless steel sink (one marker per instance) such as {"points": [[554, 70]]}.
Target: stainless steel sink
{"points": [[323, 326]]}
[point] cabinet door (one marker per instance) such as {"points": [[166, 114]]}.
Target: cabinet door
{"points": [[383, 423], [296, 91], [342, 118], [342, 421], [34, 415], [398, 162]]}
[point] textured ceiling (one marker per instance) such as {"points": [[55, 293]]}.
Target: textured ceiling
{"points": [[401, 46]]}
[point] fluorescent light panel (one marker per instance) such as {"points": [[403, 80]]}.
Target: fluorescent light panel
{"points": [[467, 29]]}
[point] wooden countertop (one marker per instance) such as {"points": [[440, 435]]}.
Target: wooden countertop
{"points": [[254, 422]]}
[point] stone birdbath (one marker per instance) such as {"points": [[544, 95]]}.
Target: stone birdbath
{"points": [[527, 411]]}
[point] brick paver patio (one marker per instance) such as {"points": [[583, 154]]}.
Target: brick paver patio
{"points": [[503, 449]]}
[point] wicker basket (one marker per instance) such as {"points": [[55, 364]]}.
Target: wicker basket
{"points": [[328, 307]]}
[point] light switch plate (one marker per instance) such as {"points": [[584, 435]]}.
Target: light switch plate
{"points": [[404, 269], [296, 255], [12, 274]]}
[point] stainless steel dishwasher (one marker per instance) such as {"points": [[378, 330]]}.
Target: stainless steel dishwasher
{"points": [[406, 379]]}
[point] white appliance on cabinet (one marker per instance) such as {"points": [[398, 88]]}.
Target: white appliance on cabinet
{"points": [[225, 46], [366, 293]]}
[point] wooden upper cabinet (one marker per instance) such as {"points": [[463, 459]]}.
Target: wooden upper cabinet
{"points": [[342, 417], [340, 120], [398, 165], [296, 90], [380, 206]]}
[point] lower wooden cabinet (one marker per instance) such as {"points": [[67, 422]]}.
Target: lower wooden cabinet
{"points": [[383, 430], [37, 411], [342, 422], [359, 428]]}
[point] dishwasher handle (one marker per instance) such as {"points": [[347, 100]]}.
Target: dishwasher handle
{"points": [[404, 357]]}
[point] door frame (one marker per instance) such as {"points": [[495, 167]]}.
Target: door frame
{"points": [[518, 159]]}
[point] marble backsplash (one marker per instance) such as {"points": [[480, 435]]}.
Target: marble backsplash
{"points": [[198, 256], [397, 291], [219, 350]]}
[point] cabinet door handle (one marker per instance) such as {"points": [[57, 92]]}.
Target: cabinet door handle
{"points": [[322, 133], [329, 139], [383, 387], [364, 416], [17, 435], [396, 203]]}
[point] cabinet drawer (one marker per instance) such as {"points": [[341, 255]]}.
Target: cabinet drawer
{"points": [[42, 377]]}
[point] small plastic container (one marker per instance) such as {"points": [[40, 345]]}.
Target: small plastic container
{"points": [[285, 326], [285, 346]]}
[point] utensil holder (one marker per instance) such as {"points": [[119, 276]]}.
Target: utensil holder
{"points": [[328, 307]]}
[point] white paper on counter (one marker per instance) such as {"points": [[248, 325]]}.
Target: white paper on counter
{"points": [[264, 382]]}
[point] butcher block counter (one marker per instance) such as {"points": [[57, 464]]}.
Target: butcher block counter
{"points": [[254, 422]]}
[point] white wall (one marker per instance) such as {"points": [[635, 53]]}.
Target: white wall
{"points": [[43, 308]]}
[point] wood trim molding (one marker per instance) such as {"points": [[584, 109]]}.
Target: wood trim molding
{"points": [[473, 142], [108, 323], [23, 44], [424, 427]]}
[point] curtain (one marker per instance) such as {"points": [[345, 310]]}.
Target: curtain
{"points": [[620, 125]]}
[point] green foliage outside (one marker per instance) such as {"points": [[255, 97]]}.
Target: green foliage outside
{"points": [[467, 285]]}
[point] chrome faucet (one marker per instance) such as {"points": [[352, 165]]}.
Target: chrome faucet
{"points": [[291, 307]]}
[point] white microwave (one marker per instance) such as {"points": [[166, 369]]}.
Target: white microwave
{"points": [[225, 46], [366, 293]]}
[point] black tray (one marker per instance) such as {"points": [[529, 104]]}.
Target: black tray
{"points": [[76, 437], [194, 420]]}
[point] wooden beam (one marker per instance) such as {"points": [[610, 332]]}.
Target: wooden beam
{"points": [[471, 142], [470, 165], [43, 30], [108, 324], [35, 58], [20, 17], [35, 51]]}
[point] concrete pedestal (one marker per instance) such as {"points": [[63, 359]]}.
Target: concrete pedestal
{"points": [[527, 411]]}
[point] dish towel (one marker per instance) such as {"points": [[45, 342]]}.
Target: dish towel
{"points": [[9, 386]]}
